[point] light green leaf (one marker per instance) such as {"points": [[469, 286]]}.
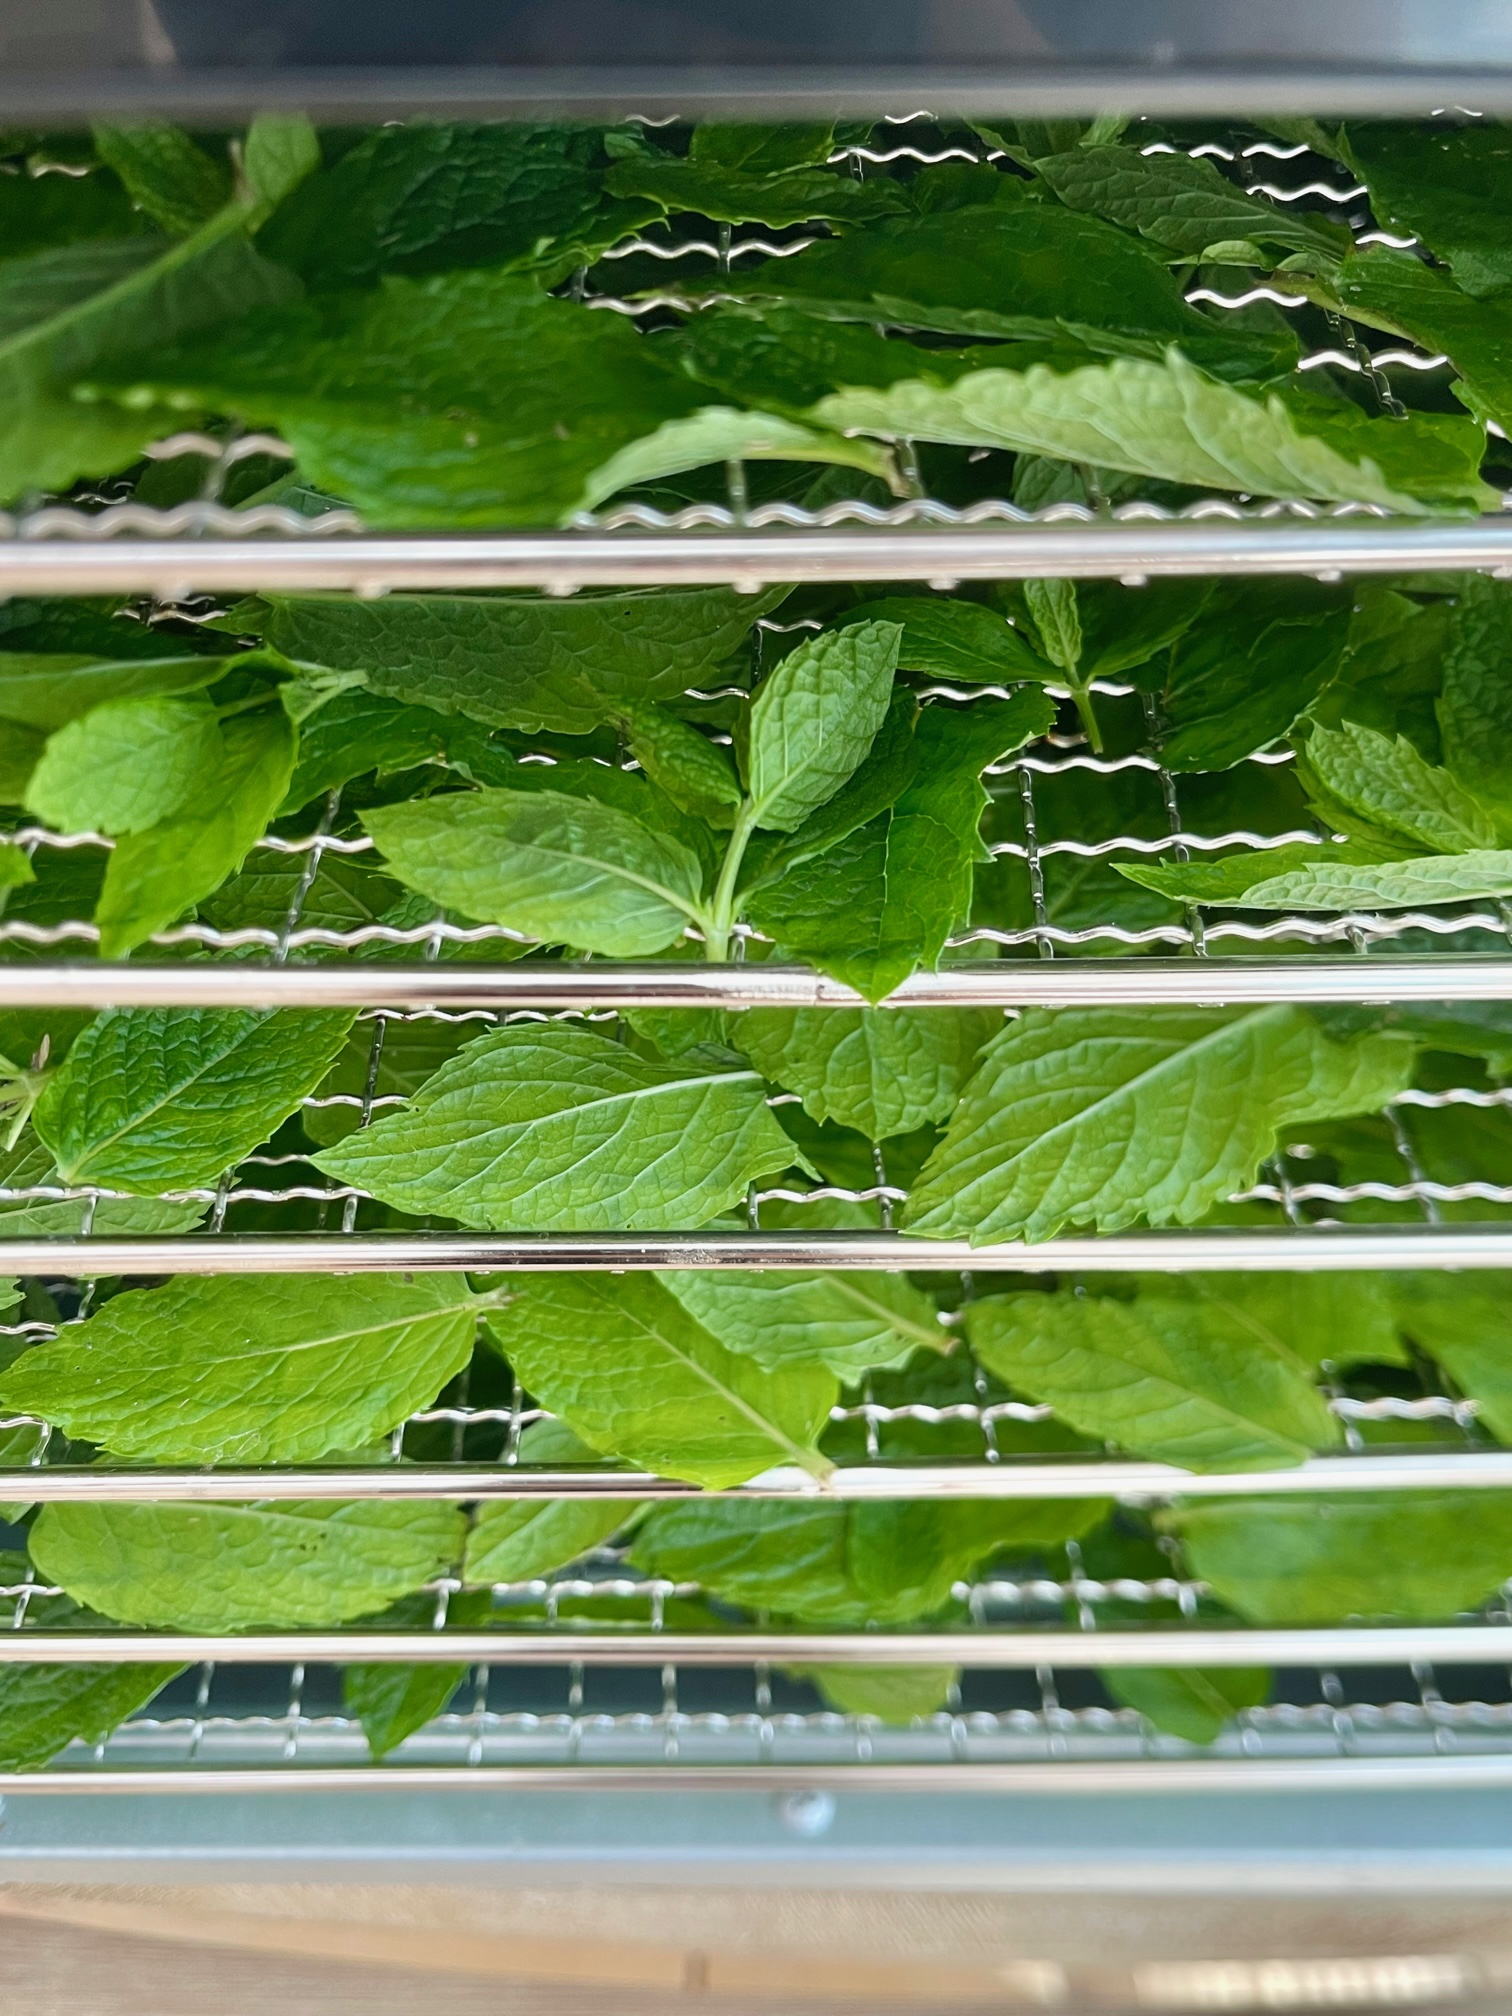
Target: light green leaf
{"points": [[48, 690], [563, 870], [557, 1128], [1385, 782], [393, 1701], [28, 1166], [1321, 1320], [411, 1051], [885, 898], [728, 434], [814, 718], [732, 195], [1158, 1376], [761, 150], [1171, 421], [20, 751], [280, 150], [849, 1322], [1400, 292], [1249, 882], [1321, 1560], [169, 176], [292, 1566], [516, 1540], [1196, 1703], [1181, 203], [156, 875], [1465, 1322], [883, 1071], [693, 771], [1102, 1116], [630, 1371], [1475, 704], [45, 1708], [956, 640], [15, 866], [126, 765], [896, 1695], [155, 1099], [1053, 606], [277, 1369], [520, 661]]}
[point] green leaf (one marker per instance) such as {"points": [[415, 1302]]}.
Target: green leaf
{"points": [[357, 732], [730, 195], [29, 1166], [20, 752], [1169, 420], [155, 875], [45, 213], [563, 870], [1385, 783], [762, 150], [557, 1128], [15, 866], [848, 1322], [516, 1540], [631, 1371], [155, 1099], [1397, 291], [884, 900], [1181, 203], [881, 1071], [1250, 882], [421, 198], [1196, 1703], [896, 1695], [45, 1708], [1159, 1376], [410, 1052], [126, 765], [1461, 1320], [277, 1369], [815, 716], [521, 661], [1449, 184], [952, 639], [294, 1565], [167, 175], [280, 150], [1475, 707], [693, 771], [1053, 606], [729, 434], [1014, 269], [883, 1563], [1310, 1560], [1322, 1320], [48, 690], [41, 285], [1102, 1116], [392, 1702]]}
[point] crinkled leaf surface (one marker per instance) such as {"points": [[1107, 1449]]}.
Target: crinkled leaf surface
{"points": [[126, 765], [162, 1098], [626, 1366], [1474, 707], [29, 1166], [1161, 1376], [1180, 202], [49, 689], [694, 772], [168, 175], [517, 1539], [1102, 1116], [559, 1129], [849, 1322], [1335, 883], [814, 718], [563, 870], [293, 1565], [45, 1708], [883, 1071], [1321, 1560], [275, 1369], [1385, 782]]}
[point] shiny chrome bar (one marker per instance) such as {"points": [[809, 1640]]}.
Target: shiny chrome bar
{"points": [[994, 983], [1130, 1482], [999, 1650], [560, 562], [1221, 1250]]}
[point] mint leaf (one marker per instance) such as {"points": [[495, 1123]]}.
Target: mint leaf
{"points": [[693, 771], [884, 900], [155, 1099], [1461, 1320], [733, 195], [167, 175], [45, 1708], [293, 1566], [1320, 1320], [1392, 792], [1103, 1116], [44, 284], [29, 1166], [48, 690], [569, 659], [410, 1052], [277, 1369], [1474, 708], [815, 716], [636, 1376], [563, 870], [280, 150], [717, 434], [46, 213], [1397, 291], [1321, 1560], [952, 639], [555, 1128], [357, 732], [1162, 1376], [892, 1694], [1181, 203], [126, 765], [881, 1071], [157, 874], [1169, 420], [761, 150], [1196, 1703], [515, 1540], [1337, 883], [393, 1701], [1448, 184]]}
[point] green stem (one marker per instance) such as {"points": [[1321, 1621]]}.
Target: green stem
{"points": [[722, 908], [1082, 695]]}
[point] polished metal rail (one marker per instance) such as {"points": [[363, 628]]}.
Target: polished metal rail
{"points": [[1221, 1250], [1448, 1469], [997, 983], [560, 562], [1016, 1650]]}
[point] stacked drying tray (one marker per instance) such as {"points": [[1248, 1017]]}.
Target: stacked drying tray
{"points": [[477, 1237]]}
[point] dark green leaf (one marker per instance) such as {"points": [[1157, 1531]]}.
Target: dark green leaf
{"points": [[1447, 183], [956, 640], [1179, 202], [167, 175], [695, 774], [762, 150], [1397, 291], [47, 690], [1475, 706], [737, 196]]}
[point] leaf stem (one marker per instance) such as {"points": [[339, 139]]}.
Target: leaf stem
{"points": [[721, 917], [1082, 695]]}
